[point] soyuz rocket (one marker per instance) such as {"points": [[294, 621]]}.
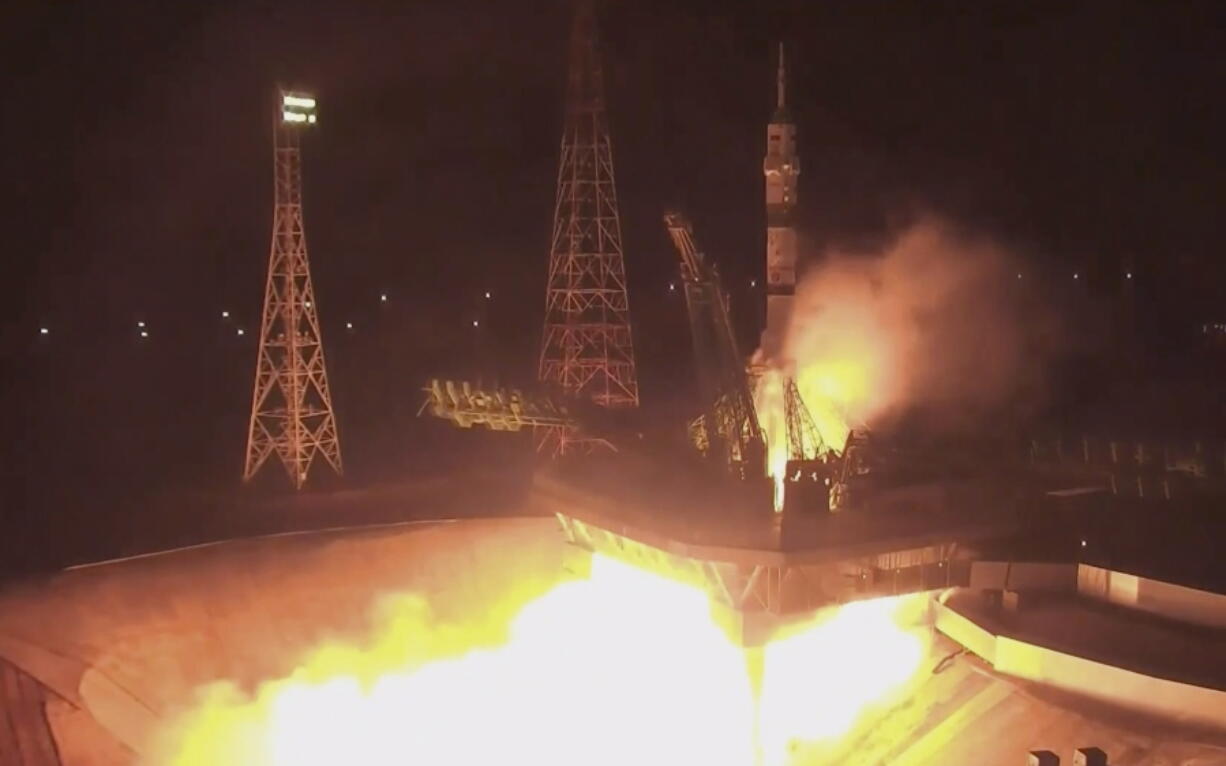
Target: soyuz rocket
{"points": [[781, 167]]}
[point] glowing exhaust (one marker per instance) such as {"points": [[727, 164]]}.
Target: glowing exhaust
{"points": [[626, 667]]}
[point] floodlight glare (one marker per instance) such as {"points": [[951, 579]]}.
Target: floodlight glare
{"points": [[297, 109], [298, 101]]}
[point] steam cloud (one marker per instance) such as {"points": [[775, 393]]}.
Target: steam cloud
{"points": [[934, 326]]}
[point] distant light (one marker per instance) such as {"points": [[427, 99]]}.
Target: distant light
{"points": [[753, 283], [293, 117], [43, 331], [225, 314], [1128, 275], [308, 304], [1076, 275], [349, 325], [140, 323], [672, 286], [1019, 275], [311, 118], [487, 295], [1083, 543], [383, 297], [476, 323], [144, 333], [240, 331], [305, 102]]}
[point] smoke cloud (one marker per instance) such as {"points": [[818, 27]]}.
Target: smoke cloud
{"points": [[935, 326]]}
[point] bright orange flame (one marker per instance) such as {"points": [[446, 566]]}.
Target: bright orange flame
{"points": [[819, 681], [769, 404], [831, 388], [626, 667]]}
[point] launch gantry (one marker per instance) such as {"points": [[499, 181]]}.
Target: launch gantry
{"points": [[729, 428]]}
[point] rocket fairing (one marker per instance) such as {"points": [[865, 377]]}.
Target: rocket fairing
{"points": [[781, 167]]}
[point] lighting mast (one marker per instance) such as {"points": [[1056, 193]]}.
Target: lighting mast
{"points": [[586, 347], [781, 167], [291, 407]]}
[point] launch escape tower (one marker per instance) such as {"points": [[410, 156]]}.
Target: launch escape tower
{"points": [[291, 407], [586, 348]]}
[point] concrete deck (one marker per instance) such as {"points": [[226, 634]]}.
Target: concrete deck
{"points": [[964, 713], [1111, 635], [25, 735]]}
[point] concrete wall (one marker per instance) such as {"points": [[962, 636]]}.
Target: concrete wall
{"points": [[965, 631], [1174, 601], [1023, 576], [1168, 699]]}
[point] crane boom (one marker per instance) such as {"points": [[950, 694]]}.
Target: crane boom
{"points": [[733, 432]]}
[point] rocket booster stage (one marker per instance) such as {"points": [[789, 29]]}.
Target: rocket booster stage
{"points": [[781, 167]]}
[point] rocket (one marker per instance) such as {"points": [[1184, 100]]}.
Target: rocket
{"points": [[781, 167]]}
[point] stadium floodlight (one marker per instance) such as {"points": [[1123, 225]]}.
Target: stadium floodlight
{"points": [[297, 109]]}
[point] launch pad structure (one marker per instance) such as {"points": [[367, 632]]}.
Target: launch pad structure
{"points": [[764, 570], [764, 557]]}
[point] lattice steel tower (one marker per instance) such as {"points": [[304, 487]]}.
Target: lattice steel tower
{"points": [[586, 349], [291, 408]]}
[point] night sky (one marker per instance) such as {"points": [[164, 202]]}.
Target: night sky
{"points": [[137, 141]]}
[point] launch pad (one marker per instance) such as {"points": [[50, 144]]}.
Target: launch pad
{"points": [[765, 569]]}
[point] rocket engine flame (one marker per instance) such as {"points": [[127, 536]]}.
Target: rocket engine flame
{"points": [[626, 667], [768, 401]]}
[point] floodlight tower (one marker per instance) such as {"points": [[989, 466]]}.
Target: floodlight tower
{"points": [[586, 348], [291, 407]]}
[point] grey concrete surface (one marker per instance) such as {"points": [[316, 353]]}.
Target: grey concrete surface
{"points": [[965, 714], [25, 734]]}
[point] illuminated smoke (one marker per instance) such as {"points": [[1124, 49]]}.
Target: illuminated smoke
{"points": [[626, 667], [933, 323]]}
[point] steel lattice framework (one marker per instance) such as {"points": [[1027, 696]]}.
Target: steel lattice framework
{"points": [[730, 429], [291, 408], [586, 348]]}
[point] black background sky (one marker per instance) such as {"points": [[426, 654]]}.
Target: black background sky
{"points": [[137, 162]]}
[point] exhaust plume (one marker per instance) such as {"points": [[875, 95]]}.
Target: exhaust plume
{"points": [[934, 325]]}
